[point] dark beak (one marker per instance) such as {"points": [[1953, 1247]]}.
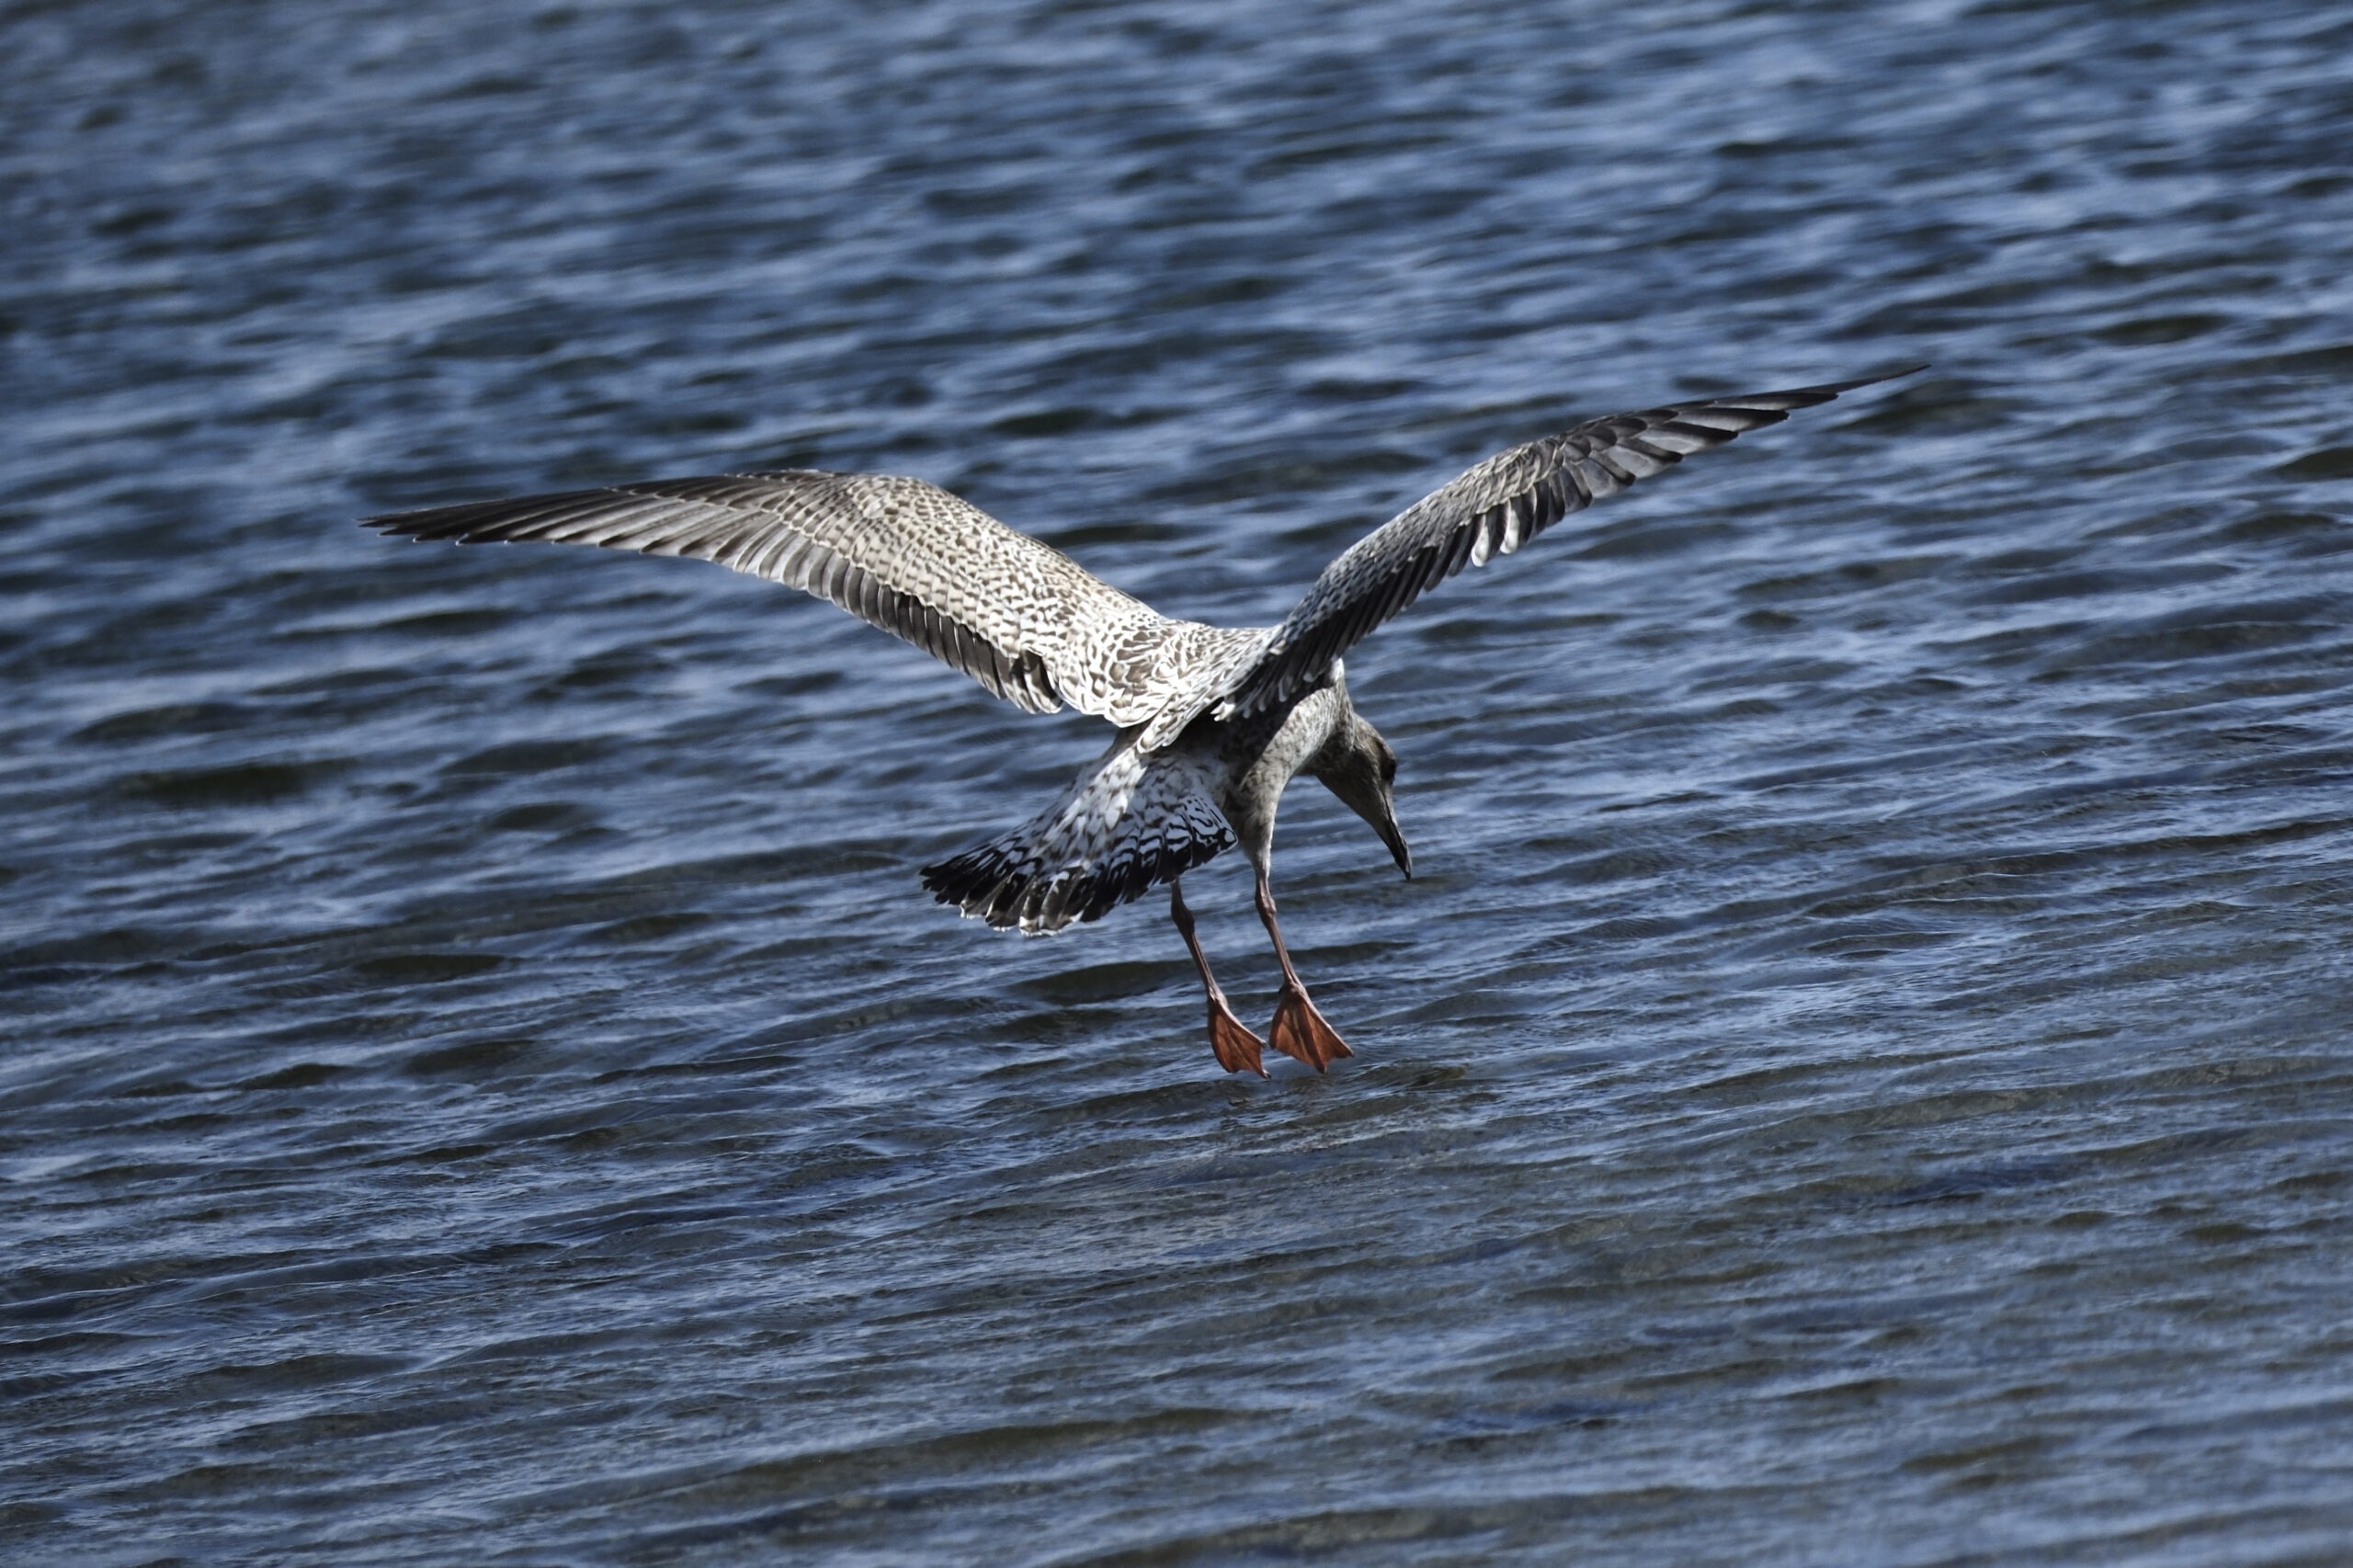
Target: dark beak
{"points": [[1391, 836]]}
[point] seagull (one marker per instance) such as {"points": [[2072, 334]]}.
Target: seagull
{"points": [[1213, 722]]}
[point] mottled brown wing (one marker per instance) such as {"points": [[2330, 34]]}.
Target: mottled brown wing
{"points": [[1022, 618], [1492, 509]]}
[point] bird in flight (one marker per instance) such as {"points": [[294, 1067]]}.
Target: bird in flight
{"points": [[1213, 722]]}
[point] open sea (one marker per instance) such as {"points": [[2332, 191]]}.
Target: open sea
{"points": [[1863, 1073]]}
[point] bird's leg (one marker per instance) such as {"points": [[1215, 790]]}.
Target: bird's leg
{"points": [[1237, 1049], [1299, 1029]]}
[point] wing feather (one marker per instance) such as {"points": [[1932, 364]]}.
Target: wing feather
{"points": [[1493, 508], [1021, 618]]}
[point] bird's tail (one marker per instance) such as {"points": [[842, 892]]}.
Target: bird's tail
{"points": [[1137, 820]]}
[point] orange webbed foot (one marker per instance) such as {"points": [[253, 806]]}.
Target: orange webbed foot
{"points": [[1237, 1049], [1301, 1032]]}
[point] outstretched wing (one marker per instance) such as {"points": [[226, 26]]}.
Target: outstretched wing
{"points": [[1492, 509], [1022, 618]]}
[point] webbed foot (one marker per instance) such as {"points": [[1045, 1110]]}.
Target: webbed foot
{"points": [[1237, 1049], [1301, 1032]]}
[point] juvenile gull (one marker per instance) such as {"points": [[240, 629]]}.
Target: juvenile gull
{"points": [[1213, 722]]}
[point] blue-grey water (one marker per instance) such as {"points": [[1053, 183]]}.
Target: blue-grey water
{"points": [[1864, 1074]]}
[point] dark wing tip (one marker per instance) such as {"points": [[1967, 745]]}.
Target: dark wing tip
{"points": [[436, 522], [1835, 388], [508, 519], [1781, 404]]}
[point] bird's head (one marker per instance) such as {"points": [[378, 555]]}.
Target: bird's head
{"points": [[1357, 764]]}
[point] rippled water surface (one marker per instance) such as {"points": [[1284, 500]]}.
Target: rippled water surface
{"points": [[1862, 1075]]}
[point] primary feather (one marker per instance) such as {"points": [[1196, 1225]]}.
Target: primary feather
{"points": [[1492, 509], [1019, 617]]}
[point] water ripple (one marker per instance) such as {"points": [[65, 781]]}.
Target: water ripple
{"points": [[1859, 1074]]}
